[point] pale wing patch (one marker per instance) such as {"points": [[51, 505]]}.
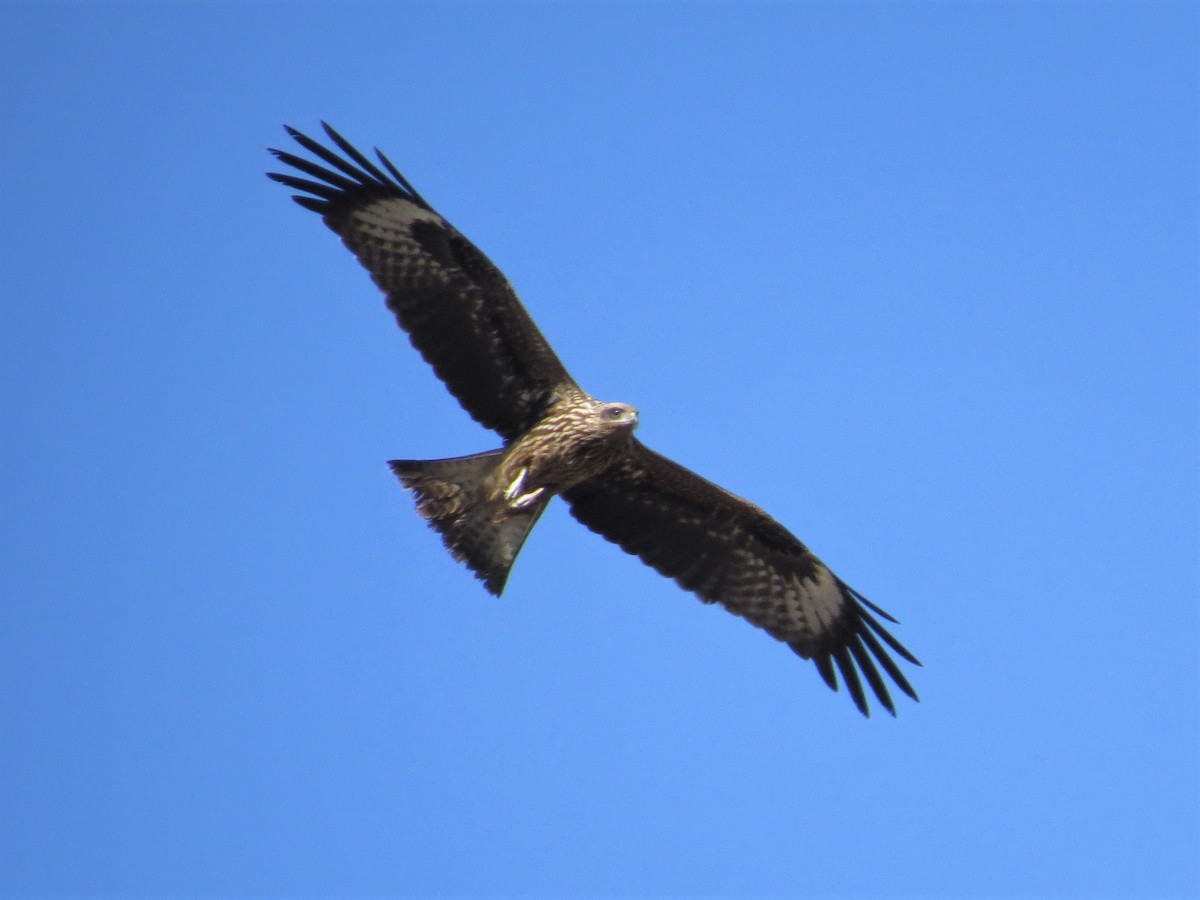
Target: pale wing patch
{"points": [[386, 214], [820, 600]]}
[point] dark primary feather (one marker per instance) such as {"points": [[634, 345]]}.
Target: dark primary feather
{"points": [[728, 551], [459, 310]]}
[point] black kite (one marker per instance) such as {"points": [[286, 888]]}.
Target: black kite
{"points": [[465, 319]]}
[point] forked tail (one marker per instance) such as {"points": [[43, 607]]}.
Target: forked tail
{"points": [[486, 534]]}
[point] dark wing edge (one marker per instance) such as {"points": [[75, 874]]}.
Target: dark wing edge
{"points": [[459, 310], [726, 550]]}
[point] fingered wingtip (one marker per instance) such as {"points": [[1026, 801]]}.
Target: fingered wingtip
{"points": [[332, 132]]}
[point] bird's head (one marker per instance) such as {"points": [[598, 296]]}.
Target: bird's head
{"points": [[618, 416]]}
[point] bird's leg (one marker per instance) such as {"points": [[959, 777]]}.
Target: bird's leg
{"points": [[514, 489], [513, 495], [526, 499]]}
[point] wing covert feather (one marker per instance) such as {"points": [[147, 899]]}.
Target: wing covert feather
{"points": [[459, 310], [726, 550]]}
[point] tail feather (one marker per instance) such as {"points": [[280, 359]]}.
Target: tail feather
{"points": [[483, 533]]}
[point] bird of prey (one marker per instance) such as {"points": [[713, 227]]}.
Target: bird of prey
{"points": [[464, 318]]}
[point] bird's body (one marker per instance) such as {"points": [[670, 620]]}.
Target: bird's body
{"points": [[484, 505], [577, 439], [465, 319]]}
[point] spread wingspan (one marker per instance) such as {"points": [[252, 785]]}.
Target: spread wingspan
{"points": [[463, 316]]}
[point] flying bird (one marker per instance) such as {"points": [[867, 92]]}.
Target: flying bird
{"points": [[464, 318]]}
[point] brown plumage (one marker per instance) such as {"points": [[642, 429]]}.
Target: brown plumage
{"points": [[466, 321]]}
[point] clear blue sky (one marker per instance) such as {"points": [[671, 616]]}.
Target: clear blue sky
{"points": [[920, 279]]}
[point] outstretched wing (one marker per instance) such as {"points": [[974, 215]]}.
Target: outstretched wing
{"points": [[459, 310], [728, 551]]}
